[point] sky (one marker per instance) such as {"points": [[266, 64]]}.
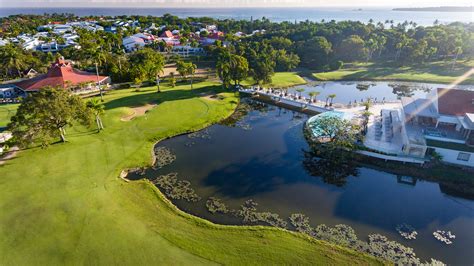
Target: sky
{"points": [[231, 3]]}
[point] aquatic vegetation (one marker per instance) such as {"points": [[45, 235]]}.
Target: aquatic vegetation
{"points": [[443, 236], [433, 262], [202, 134], [362, 86], [215, 205], [301, 223], [340, 234], [243, 125], [242, 110], [176, 189], [272, 219], [248, 213], [138, 171], [407, 231], [163, 156], [344, 235], [381, 247]]}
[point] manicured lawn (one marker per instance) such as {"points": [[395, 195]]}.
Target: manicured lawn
{"points": [[281, 80], [437, 72], [6, 112], [67, 205]]}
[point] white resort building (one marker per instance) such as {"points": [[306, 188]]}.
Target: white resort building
{"points": [[443, 122], [408, 130]]}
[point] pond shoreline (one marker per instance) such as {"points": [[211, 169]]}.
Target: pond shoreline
{"points": [[186, 209], [157, 191]]}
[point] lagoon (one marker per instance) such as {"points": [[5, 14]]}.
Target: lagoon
{"points": [[261, 157], [347, 91]]}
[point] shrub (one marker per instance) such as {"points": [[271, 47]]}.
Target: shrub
{"points": [[336, 65]]}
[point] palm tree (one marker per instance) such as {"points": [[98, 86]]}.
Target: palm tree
{"points": [[192, 70], [12, 60], [458, 51], [97, 108], [300, 90], [366, 114], [332, 96], [312, 94], [367, 104]]}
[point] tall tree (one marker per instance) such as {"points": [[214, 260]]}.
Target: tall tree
{"points": [[314, 53], [238, 68], [97, 109], [352, 49], [147, 64], [13, 60], [44, 116], [186, 69], [223, 68]]}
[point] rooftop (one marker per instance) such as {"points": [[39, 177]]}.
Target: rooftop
{"points": [[418, 107], [59, 75], [455, 102]]}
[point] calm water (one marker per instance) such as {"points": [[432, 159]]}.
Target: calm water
{"points": [[347, 91], [274, 14], [262, 159]]}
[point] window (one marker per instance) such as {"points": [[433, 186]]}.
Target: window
{"points": [[463, 156]]}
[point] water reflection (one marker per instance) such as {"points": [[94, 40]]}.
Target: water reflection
{"points": [[334, 168], [271, 164], [347, 92]]}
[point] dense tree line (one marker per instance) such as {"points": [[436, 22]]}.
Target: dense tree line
{"points": [[282, 47]]}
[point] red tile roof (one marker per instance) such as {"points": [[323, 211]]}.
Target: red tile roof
{"points": [[167, 34], [59, 75], [455, 102]]}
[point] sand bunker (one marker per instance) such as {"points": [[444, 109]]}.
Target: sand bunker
{"points": [[213, 97], [138, 111]]}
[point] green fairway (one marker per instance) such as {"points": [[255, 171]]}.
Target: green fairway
{"points": [[6, 112], [437, 72], [281, 80], [67, 205]]}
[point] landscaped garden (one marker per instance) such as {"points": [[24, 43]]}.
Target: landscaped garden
{"points": [[67, 205]]}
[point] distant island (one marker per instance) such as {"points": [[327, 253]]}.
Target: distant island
{"points": [[437, 9]]}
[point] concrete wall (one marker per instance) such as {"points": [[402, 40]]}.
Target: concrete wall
{"points": [[451, 156]]}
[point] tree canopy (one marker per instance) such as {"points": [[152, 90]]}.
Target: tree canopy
{"points": [[42, 118], [147, 64]]}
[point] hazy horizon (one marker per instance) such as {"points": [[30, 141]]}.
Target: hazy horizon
{"points": [[227, 3]]}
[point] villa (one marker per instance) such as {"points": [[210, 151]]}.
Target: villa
{"points": [[187, 50], [409, 130], [443, 122], [133, 43], [60, 74]]}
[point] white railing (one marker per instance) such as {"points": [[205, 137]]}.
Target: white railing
{"points": [[290, 99]]}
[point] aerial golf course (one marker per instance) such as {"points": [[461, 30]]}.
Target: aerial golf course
{"points": [[67, 204]]}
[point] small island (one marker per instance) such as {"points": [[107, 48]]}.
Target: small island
{"points": [[437, 9]]}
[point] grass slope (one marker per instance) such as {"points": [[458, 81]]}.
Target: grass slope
{"points": [[66, 204], [280, 79], [437, 72]]}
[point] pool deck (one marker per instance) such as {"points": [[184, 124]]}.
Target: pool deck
{"points": [[388, 142], [290, 99]]}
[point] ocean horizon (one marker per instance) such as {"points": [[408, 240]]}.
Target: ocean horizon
{"points": [[276, 14]]}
